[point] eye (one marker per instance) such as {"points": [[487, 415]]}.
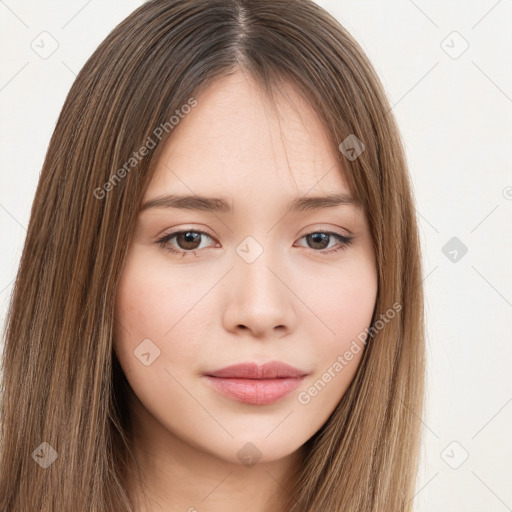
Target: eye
{"points": [[189, 241], [321, 240]]}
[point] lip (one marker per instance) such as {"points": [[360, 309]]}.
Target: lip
{"points": [[256, 384]]}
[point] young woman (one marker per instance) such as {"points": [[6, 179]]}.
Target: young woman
{"points": [[219, 305]]}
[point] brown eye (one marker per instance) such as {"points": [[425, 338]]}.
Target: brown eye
{"points": [[185, 243], [188, 240], [319, 242]]}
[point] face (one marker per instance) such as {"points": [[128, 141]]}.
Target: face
{"points": [[244, 279]]}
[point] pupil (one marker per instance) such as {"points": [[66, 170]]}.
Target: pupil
{"points": [[319, 238], [190, 238]]}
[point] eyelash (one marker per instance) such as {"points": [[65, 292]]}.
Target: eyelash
{"points": [[344, 242]]}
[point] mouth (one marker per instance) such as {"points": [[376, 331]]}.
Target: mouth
{"points": [[255, 384]]}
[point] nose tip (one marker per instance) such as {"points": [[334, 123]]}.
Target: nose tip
{"points": [[258, 299]]}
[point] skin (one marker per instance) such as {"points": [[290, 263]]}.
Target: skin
{"points": [[213, 309]]}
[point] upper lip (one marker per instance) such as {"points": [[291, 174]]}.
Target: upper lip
{"points": [[250, 370]]}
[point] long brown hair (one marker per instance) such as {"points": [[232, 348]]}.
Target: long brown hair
{"points": [[62, 386]]}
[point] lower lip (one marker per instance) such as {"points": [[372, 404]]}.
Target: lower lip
{"points": [[255, 391]]}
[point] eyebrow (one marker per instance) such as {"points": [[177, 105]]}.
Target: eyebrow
{"points": [[221, 205]]}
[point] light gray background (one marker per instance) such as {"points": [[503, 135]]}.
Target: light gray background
{"points": [[455, 113]]}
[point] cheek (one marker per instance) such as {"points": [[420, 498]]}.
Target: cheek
{"points": [[345, 306], [160, 305], [158, 313], [344, 301], [155, 301], [354, 303]]}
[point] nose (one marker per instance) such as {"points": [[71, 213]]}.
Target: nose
{"points": [[260, 298]]}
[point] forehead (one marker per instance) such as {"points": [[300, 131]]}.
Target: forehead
{"points": [[235, 142]]}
